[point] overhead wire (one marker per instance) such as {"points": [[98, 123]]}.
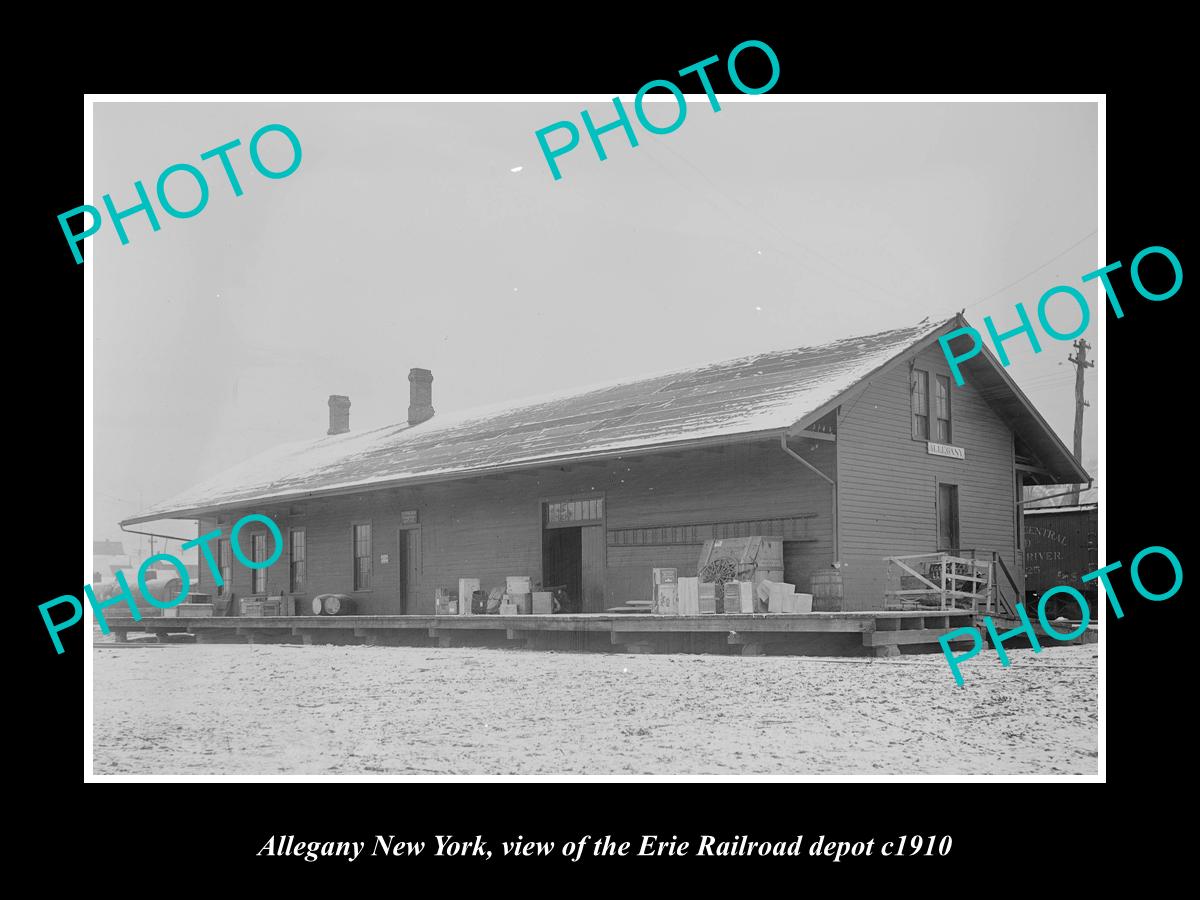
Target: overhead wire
{"points": [[1031, 271]]}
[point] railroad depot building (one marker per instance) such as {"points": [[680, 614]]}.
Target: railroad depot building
{"points": [[850, 452]]}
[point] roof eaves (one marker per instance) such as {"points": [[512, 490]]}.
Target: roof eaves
{"points": [[460, 475]]}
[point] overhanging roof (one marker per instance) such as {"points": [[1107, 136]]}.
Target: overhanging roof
{"points": [[758, 395], [1052, 462]]}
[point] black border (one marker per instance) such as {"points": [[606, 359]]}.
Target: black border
{"points": [[1024, 829]]}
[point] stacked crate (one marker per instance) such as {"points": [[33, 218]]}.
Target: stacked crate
{"points": [[756, 558], [664, 591]]}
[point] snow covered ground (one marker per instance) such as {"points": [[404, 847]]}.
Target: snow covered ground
{"points": [[282, 709]]}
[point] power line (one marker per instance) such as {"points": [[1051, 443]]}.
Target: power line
{"points": [[1032, 271], [1039, 388], [1057, 378]]}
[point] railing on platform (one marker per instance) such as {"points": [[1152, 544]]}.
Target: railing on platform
{"points": [[941, 581]]}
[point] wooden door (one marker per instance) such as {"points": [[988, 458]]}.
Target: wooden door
{"points": [[407, 567], [948, 538], [594, 563]]}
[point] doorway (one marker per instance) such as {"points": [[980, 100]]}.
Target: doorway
{"points": [[574, 551], [947, 513], [406, 567], [562, 564]]}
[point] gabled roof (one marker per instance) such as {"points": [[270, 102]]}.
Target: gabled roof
{"points": [[760, 395]]}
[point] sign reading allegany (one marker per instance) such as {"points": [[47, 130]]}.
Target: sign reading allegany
{"points": [[953, 452]]}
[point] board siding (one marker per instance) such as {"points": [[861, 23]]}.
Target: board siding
{"points": [[490, 528], [887, 481]]}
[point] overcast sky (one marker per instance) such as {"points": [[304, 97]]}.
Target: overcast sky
{"points": [[404, 240]]}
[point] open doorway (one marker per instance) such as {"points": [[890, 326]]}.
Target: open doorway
{"points": [[574, 551], [562, 564]]}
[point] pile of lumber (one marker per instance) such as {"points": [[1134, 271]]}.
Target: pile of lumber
{"points": [[633, 606]]}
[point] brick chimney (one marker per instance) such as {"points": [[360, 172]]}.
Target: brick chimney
{"points": [[339, 414], [420, 396]]}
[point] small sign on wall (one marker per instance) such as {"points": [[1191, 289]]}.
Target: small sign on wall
{"points": [[383, 559], [953, 452], [408, 517]]}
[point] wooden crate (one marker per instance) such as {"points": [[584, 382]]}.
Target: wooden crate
{"points": [[189, 611], [689, 596], [664, 576], [666, 599], [739, 597], [523, 602], [749, 553]]}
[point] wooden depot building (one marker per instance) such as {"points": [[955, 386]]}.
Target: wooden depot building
{"points": [[850, 452]]}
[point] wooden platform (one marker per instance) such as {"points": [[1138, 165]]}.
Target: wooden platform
{"points": [[1007, 623], [881, 632]]}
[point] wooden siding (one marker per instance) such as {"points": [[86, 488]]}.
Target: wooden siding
{"points": [[489, 528], [887, 485]]}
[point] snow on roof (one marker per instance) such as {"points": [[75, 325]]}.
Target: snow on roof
{"points": [[1053, 497], [1082, 507], [763, 392]]}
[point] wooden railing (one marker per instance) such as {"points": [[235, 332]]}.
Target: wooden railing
{"points": [[939, 580], [1003, 603]]}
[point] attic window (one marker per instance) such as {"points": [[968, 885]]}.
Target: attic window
{"points": [[943, 408], [920, 404]]}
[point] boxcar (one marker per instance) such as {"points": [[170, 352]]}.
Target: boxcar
{"points": [[1060, 548]]}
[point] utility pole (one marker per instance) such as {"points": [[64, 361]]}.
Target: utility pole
{"points": [[1081, 362]]}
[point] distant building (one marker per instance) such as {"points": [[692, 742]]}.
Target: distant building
{"points": [[107, 558]]}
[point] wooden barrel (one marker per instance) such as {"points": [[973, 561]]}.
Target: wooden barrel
{"points": [[338, 604], [827, 590], [318, 604]]}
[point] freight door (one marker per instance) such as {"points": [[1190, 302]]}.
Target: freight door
{"points": [[594, 548], [573, 550]]}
